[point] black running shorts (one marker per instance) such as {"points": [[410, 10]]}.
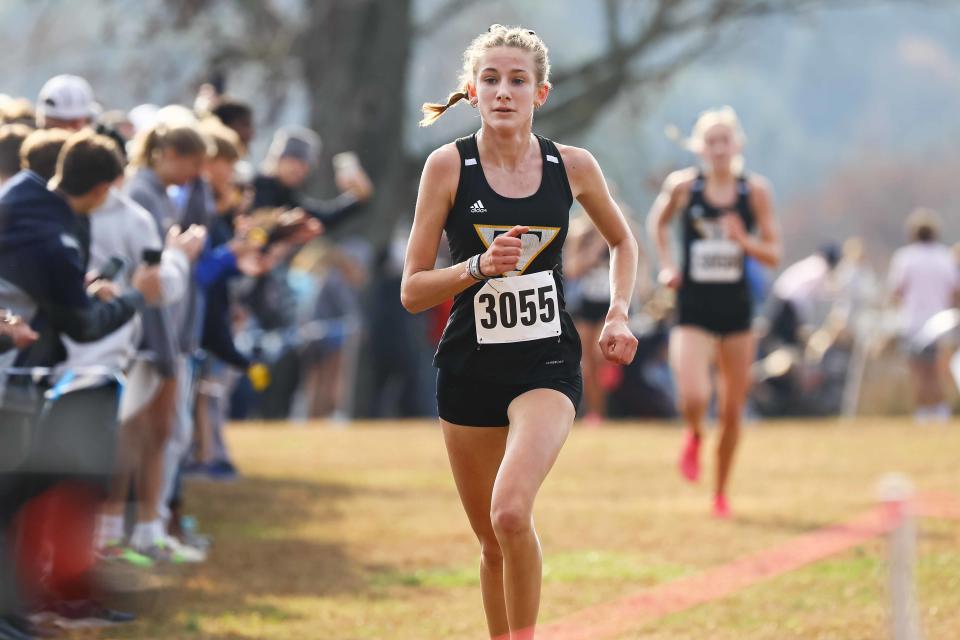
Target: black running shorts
{"points": [[720, 320], [591, 311], [469, 402]]}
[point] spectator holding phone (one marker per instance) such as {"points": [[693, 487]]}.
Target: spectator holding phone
{"points": [[292, 155], [43, 260], [123, 235], [167, 154]]}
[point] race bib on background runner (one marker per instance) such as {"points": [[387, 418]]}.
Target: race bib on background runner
{"points": [[517, 309], [716, 261]]}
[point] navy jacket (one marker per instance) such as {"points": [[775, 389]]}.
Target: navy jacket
{"points": [[43, 255]]}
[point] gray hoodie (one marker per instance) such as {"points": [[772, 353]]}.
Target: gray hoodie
{"points": [[161, 333], [122, 228]]}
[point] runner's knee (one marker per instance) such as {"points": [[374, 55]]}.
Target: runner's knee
{"points": [[510, 519]]}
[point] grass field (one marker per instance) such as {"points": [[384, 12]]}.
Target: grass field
{"points": [[358, 534]]}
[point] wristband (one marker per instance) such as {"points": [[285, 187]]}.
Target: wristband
{"points": [[473, 269]]}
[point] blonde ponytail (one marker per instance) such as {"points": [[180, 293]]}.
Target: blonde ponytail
{"points": [[433, 110]]}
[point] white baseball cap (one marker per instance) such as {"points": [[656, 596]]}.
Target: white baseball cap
{"points": [[67, 97]]}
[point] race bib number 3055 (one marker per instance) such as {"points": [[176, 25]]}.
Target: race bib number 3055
{"points": [[517, 309], [716, 261]]}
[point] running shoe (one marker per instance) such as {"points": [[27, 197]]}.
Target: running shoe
{"points": [[119, 552], [218, 471], [689, 463], [169, 550], [189, 535], [222, 471], [721, 510], [18, 627], [593, 420], [9, 631]]}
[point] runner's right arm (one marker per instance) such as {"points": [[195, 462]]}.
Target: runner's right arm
{"points": [[661, 214], [424, 287]]}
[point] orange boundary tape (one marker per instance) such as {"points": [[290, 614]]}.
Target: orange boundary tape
{"points": [[610, 619]]}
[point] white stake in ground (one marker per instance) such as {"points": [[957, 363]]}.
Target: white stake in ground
{"points": [[896, 493]]}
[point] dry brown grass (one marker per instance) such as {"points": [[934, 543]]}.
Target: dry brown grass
{"points": [[358, 534]]}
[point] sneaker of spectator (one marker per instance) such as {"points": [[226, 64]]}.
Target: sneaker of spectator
{"points": [[188, 534], [75, 615], [9, 632], [17, 627], [222, 470], [217, 471], [116, 551], [165, 549]]}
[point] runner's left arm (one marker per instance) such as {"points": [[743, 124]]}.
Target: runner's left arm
{"points": [[590, 189], [765, 247]]}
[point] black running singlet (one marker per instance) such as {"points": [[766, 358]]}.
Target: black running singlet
{"points": [[513, 329], [714, 274]]}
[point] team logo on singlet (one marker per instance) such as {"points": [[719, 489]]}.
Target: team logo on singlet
{"points": [[533, 241], [477, 207], [709, 229], [714, 258]]}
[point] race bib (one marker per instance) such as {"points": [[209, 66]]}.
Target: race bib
{"points": [[716, 261], [517, 309]]}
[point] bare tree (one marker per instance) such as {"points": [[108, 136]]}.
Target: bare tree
{"points": [[354, 54]]}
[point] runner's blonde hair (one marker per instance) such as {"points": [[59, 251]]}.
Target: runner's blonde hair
{"points": [[496, 36]]}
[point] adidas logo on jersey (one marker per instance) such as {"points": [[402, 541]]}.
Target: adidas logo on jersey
{"points": [[477, 207]]}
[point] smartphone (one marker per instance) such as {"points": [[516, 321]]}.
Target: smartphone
{"points": [[151, 257], [346, 161], [113, 267]]}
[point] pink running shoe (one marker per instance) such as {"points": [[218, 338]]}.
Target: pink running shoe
{"points": [[689, 462], [721, 510], [593, 420]]}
